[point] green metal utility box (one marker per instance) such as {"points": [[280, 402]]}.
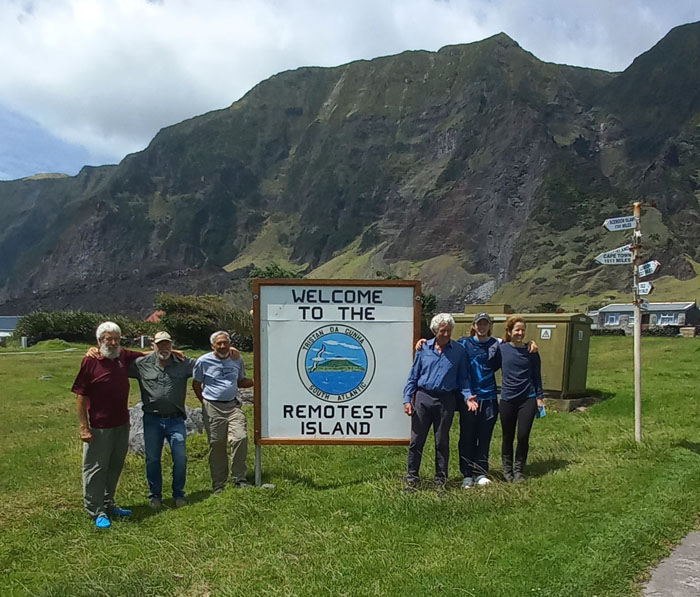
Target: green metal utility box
{"points": [[563, 340]]}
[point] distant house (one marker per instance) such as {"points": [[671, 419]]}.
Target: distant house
{"points": [[8, 323], [621, 316], [156, 316]]}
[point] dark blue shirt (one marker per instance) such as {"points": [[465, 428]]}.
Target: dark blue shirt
{"points": [[484, 360], [522, 377], [444, 371]]}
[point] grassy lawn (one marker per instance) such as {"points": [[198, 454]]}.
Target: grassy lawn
{"points": [[597, 511]]}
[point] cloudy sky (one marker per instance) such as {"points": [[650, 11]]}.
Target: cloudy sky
{"points": [[88, 81]]}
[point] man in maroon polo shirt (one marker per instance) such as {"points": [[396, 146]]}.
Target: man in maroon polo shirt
{"points": [[102, 388]]}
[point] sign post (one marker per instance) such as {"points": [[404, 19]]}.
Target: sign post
{"points": [[645, 288], [331, 361], [627, 254], [620, 256], [648, 268], [621, 223], [637, 326]]}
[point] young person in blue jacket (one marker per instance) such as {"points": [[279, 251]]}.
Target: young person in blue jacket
{"points": [[476, 428], [521, 396]]}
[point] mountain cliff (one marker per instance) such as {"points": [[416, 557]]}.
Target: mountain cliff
{"points": [[479, 169]]}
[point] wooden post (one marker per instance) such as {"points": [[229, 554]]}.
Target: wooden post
{"points": [[636, 247]]}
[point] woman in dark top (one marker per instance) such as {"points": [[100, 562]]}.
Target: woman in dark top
{"points": [[521, 396]]}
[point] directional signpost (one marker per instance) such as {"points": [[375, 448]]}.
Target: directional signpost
{"points": [[648, 268], [622, 223], [645, 288], [622, 256], [615, 258]]}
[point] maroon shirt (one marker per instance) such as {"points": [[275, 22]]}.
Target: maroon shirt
{"points": [[106, 383]]}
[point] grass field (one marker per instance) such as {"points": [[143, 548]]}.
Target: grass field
{"points": [[596, 513]]}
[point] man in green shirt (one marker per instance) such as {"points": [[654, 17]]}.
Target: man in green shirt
{"points": [[163, 382]]}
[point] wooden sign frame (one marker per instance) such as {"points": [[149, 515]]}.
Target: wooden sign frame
{"points": [[258, 284]]}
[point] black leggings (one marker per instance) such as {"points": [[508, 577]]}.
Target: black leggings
{"points": [[522, 412]]}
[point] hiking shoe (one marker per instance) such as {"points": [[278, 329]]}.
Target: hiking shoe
{"points": [[218, 490], [483, 480], [410, 486], [120, 512], [467, 483], [155, 503], [102, 522], [180, 502], [242, 484]]}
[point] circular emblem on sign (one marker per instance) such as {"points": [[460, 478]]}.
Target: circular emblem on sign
{"points": [[336, 363]]}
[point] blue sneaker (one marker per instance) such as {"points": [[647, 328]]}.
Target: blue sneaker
{"points": [[102, 522], [120, 512]]}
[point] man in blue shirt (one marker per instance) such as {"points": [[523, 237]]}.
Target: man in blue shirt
{"points": [[438, 378], [217, 378]]}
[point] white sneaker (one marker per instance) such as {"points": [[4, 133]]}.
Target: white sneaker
{"points": [[467, 483], [483, 480]]}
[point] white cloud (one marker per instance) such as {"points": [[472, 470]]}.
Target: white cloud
{"points": [[107, 74]]}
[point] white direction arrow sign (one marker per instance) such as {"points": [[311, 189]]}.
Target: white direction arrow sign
{"points": [[645, 288], [644, 304], [621, 223], [648, 268], [615, 258]]}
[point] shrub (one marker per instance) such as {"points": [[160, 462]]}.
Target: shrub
{"points": [[77, 326], [192, 319], [669, 330], [605, 332], [272, 270]]}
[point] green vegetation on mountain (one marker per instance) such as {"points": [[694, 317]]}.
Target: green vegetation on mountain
{"points": [[337, 365], [479, 169]]}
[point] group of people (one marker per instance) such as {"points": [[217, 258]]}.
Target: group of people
{"points": [[102, 389], [449, 376], [446, 376]]}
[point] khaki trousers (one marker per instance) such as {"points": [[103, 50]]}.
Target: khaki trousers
{"points": [[103, 460], [225, 423]]}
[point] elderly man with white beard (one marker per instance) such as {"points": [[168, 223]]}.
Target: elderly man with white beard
{"points": [[102, 389], [163, 383]]}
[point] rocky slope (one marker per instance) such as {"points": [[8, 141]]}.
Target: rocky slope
{"points": [[479, 169]]}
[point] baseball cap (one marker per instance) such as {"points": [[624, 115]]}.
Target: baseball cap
{"points": [[161, 336], [480, 316]]}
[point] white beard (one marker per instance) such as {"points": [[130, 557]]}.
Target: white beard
{"points": [[164, 356], [109, 353], [223, 355]]}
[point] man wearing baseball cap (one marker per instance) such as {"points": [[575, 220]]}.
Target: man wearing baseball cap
{"points": [[163, 382]]}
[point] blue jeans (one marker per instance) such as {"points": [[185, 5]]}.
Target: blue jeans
{"points": [[155, 430]]}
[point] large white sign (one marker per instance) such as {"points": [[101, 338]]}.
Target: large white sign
{"points": [[332, 358]]}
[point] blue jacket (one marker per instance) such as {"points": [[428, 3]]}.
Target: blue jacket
{"points": [[484, 360]]}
